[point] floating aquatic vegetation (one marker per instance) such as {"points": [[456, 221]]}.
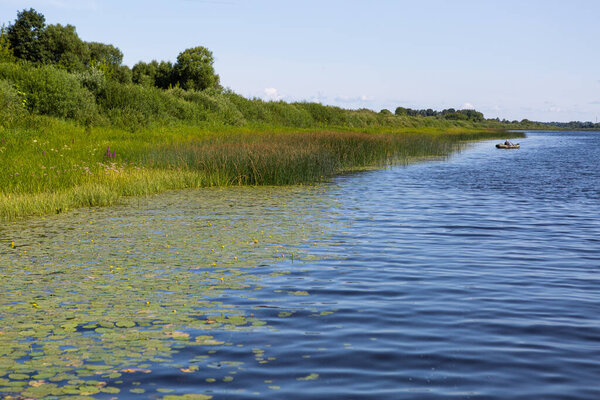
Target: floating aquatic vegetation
{"points": [[310, 377], [98, 296]]}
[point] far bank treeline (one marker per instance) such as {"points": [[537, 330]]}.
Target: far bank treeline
{"points": [[50, 70]]}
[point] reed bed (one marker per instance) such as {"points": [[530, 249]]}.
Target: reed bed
{"points": [[51, 165]]}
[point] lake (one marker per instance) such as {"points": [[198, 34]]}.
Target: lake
{"points": [[477, 276]]}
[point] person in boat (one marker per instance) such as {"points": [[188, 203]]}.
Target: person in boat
{"points": [[507, 143]]}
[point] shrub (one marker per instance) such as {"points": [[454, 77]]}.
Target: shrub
{"points": [[325, 115], [94, 80], [51, 91], [134, 106], [215, 105], [12, 104], [252, 110], [289, 114]]}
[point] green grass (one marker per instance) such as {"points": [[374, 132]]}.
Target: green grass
{"points": [[51, 165]]}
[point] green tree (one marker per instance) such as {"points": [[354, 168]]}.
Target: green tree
{"points": [[473, 115], [108, 59], [122, 74], [64, 47], [105, 53], [6, 53], [401, 111], [194, 69], [456, 116], [165, 73], [144, 73], [26, 36], [153, 74]]}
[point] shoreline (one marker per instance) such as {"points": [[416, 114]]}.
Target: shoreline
{"points": [[62, 166]]}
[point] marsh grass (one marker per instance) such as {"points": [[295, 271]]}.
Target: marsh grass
{"points": [[51, 165]]}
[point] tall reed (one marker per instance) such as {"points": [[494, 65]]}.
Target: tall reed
{"points": [[51, 165]]}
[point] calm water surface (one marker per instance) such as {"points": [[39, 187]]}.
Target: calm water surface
{"points": [[474, 277]]}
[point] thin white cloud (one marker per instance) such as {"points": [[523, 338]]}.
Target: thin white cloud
{"points": [[319, 98], [271, 94], [467, 106], [359, 99]]}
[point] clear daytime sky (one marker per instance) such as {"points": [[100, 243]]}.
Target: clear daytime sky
{"points": [[510, 59]]}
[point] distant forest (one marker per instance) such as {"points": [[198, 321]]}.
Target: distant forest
{"points": [[575, 125]]}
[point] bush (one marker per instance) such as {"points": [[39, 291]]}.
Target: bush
{"points": [[271, 112], [325, 115], [134, 106], [252, 110], [51, 91], [289, 114], [12, 104], [213, 104], [94, 80]]}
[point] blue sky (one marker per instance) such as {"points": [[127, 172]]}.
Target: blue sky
{"points": [[509, 59]]}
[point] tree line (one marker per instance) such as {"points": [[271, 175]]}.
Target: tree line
{"points": [[30, 42], [450, 113], [575, 125], [30, 39]]}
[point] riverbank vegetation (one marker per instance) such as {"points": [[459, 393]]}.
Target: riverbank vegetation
{"points": [[78, 128]]}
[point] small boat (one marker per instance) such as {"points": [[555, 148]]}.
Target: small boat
{"points": [[508, 146]]}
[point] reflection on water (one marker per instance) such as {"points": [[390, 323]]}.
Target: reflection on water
{"points": [[474, 277]]}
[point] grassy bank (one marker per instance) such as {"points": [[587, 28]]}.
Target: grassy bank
{"points": [[51, 165], [79, 128], [73, 139]]}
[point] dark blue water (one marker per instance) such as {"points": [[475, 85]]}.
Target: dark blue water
{"points": [[472, 277], [475, 277]]}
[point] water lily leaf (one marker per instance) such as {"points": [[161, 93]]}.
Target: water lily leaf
{"points": [[17, 377], [310, 377], [187, 397], [90, 322], [299, 293]]}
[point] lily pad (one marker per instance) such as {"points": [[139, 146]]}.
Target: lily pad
{"points": [[310, 377]]}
